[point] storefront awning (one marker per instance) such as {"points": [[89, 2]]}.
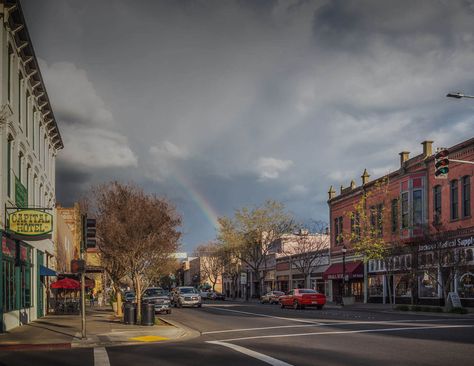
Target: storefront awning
{"points": [[45, 271], [353, 270]]}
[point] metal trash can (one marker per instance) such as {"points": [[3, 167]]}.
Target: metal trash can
{"points": [[148, 314], [129, 313]]}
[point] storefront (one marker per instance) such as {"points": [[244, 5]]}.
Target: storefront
{"points": [[354, 272]]}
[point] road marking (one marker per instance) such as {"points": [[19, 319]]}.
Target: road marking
{"points": [[347, 332], [268, 316], [101, 358], [263, 328], [259, 356], [149, 338]]}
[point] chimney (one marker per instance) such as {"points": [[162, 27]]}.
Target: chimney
{"points": [[331, 193], [427, 148], [404, 156], [365, 177]]}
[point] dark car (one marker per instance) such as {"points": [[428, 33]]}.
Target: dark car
{"points": [[159, 298], [214, 295]]}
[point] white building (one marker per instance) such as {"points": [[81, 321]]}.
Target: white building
{"points": [[29, 141]]}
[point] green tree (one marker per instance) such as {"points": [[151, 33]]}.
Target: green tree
{"points": [[250, 234]]}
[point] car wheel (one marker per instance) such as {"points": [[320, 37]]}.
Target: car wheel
{"points": [[319, 307], [282, 306], [199, 305], [296, 306]]}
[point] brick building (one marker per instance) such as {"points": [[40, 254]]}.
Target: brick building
{"points": [[429, 219]]}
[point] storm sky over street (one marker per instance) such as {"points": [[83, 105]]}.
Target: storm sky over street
{"points": [[220, 104]]}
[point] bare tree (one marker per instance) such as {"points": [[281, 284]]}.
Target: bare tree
{"points": [[137, 231], [251, 233], [232, 270], [308, 248], [211, 258]]}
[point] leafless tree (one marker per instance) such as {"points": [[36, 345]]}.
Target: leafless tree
{"points": [[137, 233], [308, 248], [211, 258]]}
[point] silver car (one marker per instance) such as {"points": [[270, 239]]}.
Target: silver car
{"points": [[186, 296]]}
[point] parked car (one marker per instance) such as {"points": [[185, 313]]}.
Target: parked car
{"points": [[214, 295], [186, 296], [159, 298], [205, 294], [302, 297], [271, 297], [129, 296]]}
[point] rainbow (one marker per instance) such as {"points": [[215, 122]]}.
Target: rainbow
{"points": [[198, 199]]}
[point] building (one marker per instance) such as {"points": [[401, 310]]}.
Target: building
{"points": [[197, 271], [30, 141], [425, 220]]}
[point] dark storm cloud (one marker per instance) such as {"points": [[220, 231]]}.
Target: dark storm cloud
{"points": [[71, 183], [249, 100]]}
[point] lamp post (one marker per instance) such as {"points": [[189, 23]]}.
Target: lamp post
{"points": [[344, 294], [459, 95]]}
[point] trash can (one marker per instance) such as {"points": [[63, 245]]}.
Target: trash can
{"points": [[148, 314], [129, 313]]}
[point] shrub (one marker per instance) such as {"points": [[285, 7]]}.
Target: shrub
{"points": [[416, 308], [459, 311]]}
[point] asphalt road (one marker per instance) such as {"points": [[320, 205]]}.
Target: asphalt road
{"points": [[242, 334]]}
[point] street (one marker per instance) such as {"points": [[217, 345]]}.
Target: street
{"points": [[227, 333]]}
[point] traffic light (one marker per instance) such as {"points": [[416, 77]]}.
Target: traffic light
{"points": [[91, 229], [442, 164], [78, 265]]}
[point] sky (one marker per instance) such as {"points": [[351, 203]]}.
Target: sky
{"points": [[222, 104]]}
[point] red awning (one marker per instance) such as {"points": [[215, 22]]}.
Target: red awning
{"points": [[67, 284], [353, 270]]}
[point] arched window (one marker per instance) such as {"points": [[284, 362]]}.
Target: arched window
{"points": [[9, 165], [454, 200], [20, 167], [466, 196]]}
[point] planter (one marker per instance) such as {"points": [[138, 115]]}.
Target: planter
{"points": [[114, 307], [348, 300]]}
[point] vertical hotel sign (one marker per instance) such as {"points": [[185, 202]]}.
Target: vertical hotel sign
{"points": [[30, 224]]}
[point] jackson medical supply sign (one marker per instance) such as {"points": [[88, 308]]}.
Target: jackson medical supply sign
{"points": [[30, 223]]}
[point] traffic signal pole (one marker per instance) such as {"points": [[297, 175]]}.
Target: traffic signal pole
{"points": [[83, 280]]}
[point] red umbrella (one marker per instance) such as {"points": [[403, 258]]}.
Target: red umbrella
{"points": [[66, 283]]}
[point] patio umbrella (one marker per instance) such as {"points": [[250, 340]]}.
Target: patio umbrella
{"points": [[66, 283]]}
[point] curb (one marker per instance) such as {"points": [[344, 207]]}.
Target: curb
{"points": [[35, 347]]}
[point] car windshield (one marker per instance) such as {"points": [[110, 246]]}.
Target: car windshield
{"points": [[187, 290], [308, 291], [155, 292]]}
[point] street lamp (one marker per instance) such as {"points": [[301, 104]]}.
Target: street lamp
{"points": [[344, 250], [459, 95]]}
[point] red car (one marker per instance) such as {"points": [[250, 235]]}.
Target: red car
{"points": [[301, 297]]}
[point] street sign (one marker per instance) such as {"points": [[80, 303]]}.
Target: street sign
{"points": [[243, 278]]}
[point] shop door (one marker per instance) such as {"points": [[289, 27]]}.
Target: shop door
{"points": [[39, 285]]}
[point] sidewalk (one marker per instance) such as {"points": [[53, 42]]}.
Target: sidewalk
{"points": [[102, 329]]}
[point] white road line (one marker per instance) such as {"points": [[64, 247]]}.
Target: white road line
{"points": [[259, 356], [347, 332], [268, 316], [101, 358], [262, 328]]}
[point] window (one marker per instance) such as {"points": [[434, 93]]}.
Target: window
{"points": [[20, 104], [379, 219], [454, 200], [35, 183], [9, 72], [355, 226], [20, 163], [394, 216], [28, 114], [33, 129], [437, 204], [338, 230], [466, 196], [405, 212], [417, 208], [9, 165]]}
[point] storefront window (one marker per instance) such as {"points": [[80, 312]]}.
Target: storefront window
{"points": [[428, 284], [466, 286], [376, 285], [402, 286]]}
